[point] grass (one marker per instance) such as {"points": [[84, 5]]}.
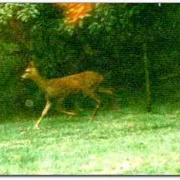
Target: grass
{"points": [[126, 142]]}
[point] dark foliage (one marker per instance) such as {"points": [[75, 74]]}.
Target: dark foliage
{"points": [[109, 42]]}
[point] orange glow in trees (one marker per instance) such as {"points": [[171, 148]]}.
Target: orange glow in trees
{"points": [[75, 11]]}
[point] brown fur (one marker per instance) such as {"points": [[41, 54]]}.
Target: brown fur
{"points": [[59, 88]]}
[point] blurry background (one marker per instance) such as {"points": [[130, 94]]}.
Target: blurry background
{"points": [[132, 45]]}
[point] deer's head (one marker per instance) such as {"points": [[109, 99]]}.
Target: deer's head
{"points": [[30, 72]]}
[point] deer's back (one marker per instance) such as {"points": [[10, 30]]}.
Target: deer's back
{"points": [[73, 83]]}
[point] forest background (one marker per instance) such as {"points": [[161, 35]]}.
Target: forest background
{"points": [[134, 46]]}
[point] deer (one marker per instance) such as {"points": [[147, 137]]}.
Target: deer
{"points": [[59, 88]]}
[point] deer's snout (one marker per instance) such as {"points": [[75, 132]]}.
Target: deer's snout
{"points": [[23, 76]]}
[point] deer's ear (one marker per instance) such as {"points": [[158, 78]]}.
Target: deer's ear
{"points": [[31, 64]]}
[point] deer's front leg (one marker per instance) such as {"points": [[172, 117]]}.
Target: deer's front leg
{"points": [[44, 112]]}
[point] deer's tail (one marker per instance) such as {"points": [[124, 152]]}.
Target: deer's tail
{"points": [[106, 90]]}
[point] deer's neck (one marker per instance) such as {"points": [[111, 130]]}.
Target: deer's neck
{"points": [[41, 82]]}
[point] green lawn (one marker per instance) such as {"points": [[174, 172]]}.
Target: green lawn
{"points": [[117, 143]]}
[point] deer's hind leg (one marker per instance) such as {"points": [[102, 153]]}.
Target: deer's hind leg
{"points": [[96, 98], [113, 97]]}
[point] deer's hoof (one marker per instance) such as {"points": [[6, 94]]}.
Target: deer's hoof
{"points": [[36, 127]]}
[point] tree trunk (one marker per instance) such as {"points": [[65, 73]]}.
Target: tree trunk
{"points": [[147, 80]]}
